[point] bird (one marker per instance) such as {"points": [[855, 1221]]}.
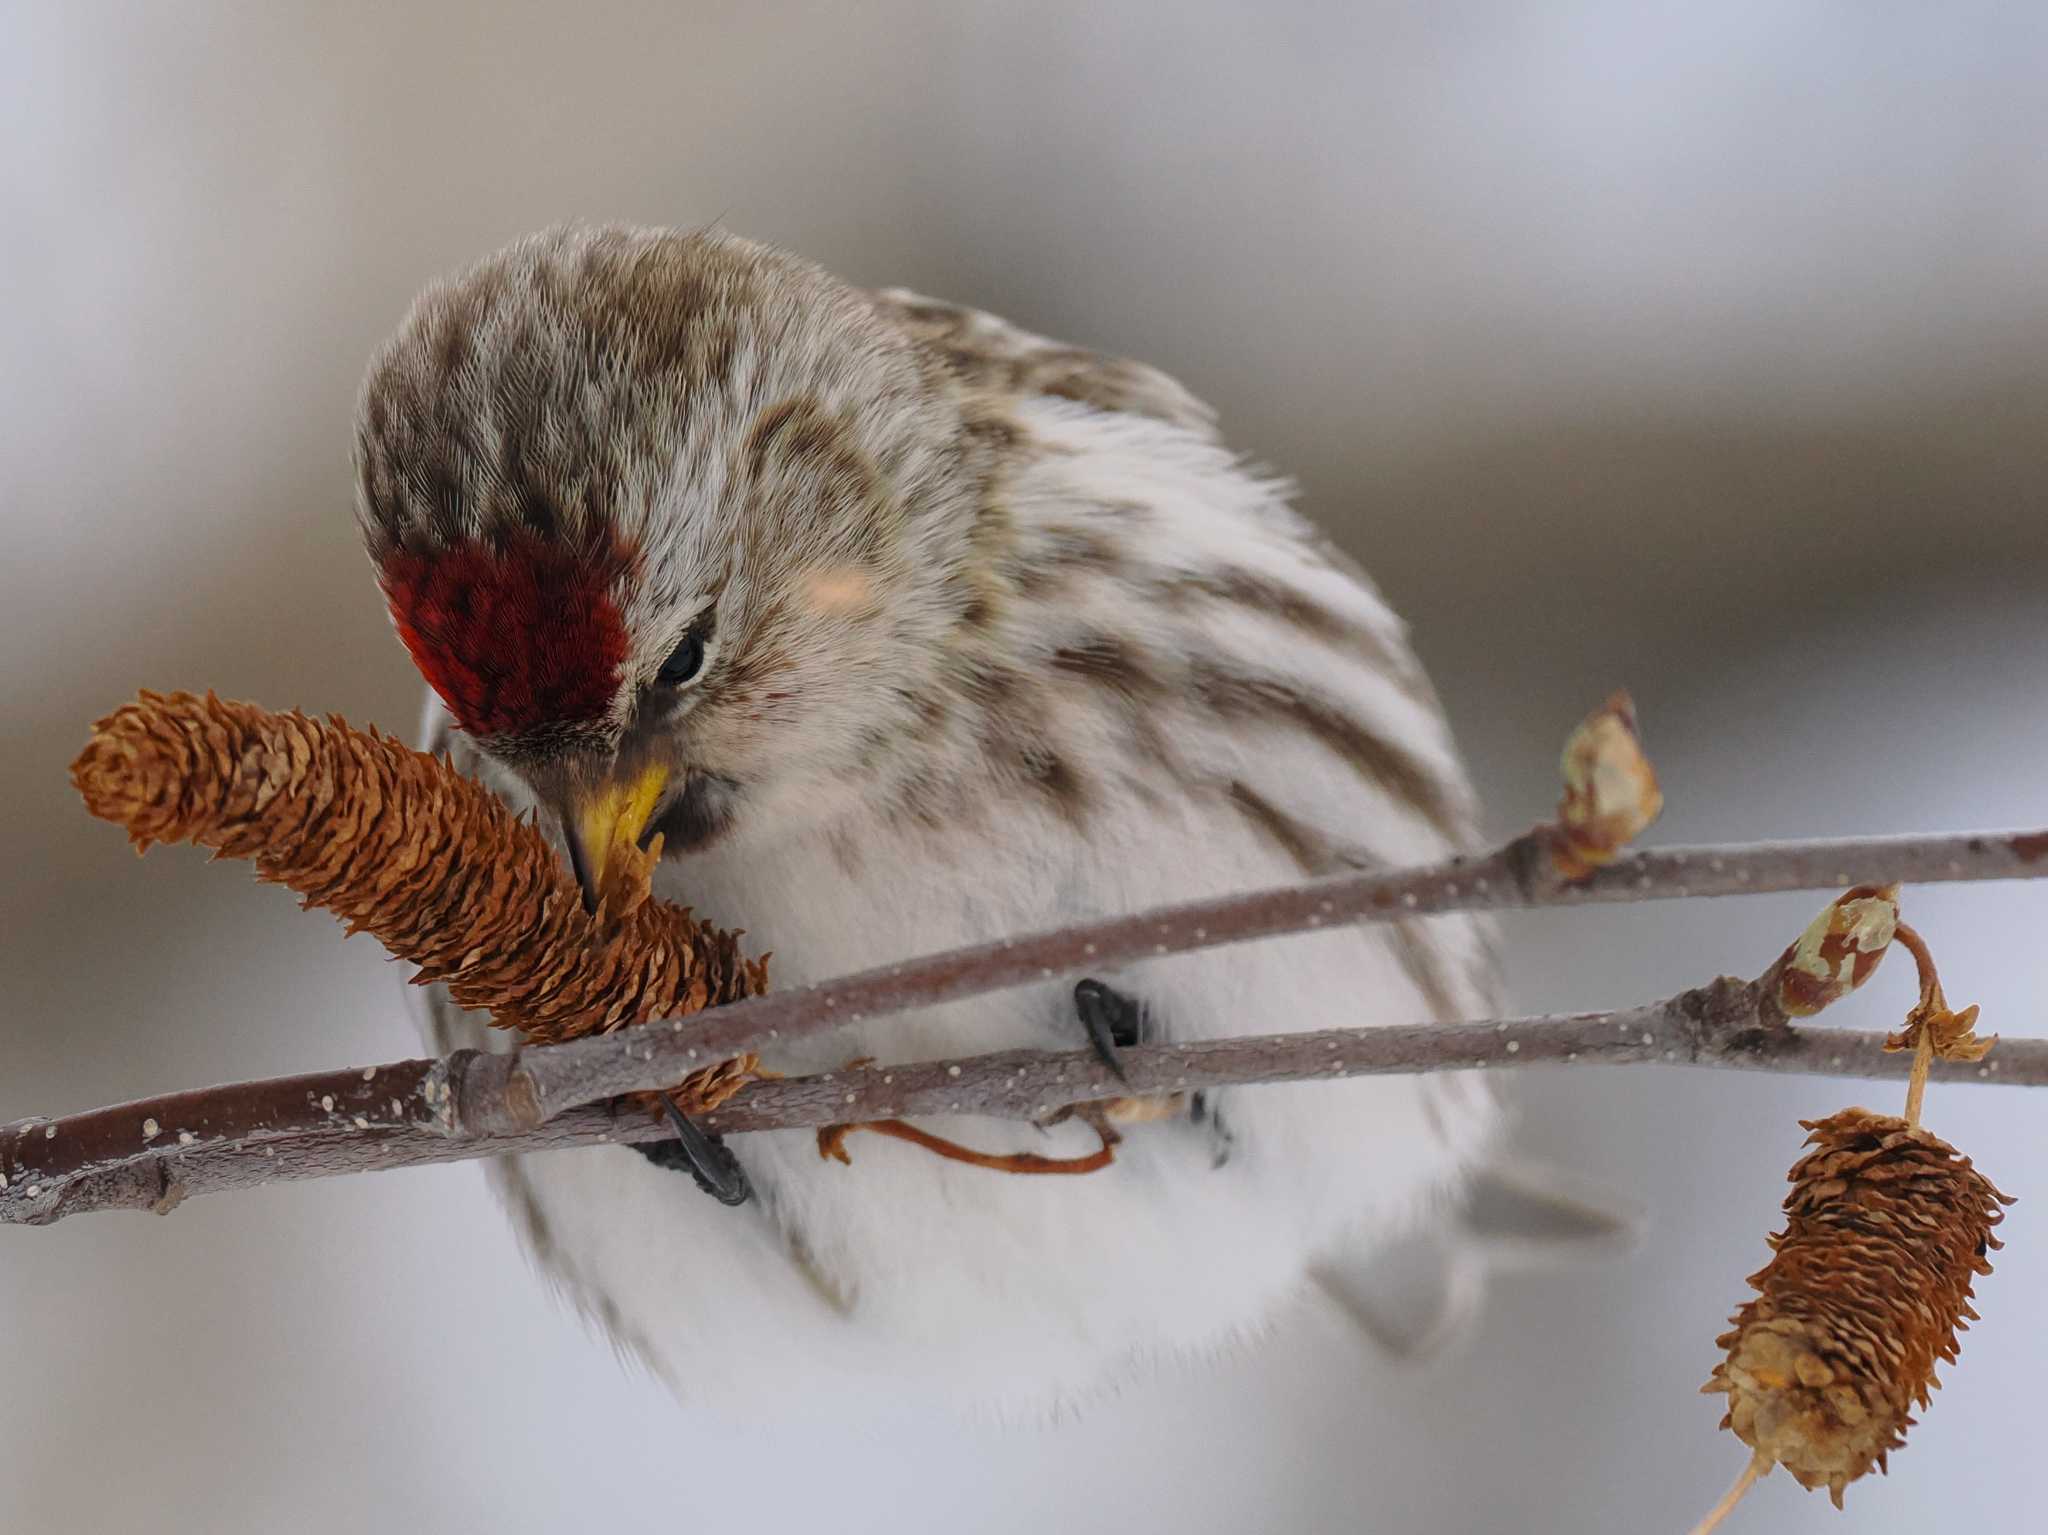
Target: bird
{"points": [[906, 628]]}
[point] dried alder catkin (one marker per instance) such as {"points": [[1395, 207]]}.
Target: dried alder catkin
{"points": [[1867, 1287], [399, 845]]}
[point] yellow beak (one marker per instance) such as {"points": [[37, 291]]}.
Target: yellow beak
{"points": [[604, 828]]}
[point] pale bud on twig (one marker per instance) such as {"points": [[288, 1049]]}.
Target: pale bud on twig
{"points": [[1839, 950], [1610, 790]]}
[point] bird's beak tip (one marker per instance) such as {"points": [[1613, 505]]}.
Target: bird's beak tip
{"points": [[579, 863], [605, 826]]}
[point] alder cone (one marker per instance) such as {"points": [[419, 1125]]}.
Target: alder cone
{"points": [[399, 845], [1867, 1288]]}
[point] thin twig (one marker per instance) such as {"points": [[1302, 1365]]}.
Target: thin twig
{"points": [[520, 1090], [384, 1117], [472, 1104], [1757, 1467]]}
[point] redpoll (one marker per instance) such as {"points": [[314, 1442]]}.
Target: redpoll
{"points": [[908, 629]]}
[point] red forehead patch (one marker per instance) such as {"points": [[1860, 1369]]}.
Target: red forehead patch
{"points": [[516, 633]]}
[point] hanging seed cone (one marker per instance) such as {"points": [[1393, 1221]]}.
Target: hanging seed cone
{"points": [[399, 845], [1867, 1286]]}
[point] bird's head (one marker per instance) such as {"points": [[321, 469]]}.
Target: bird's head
{"points": [[672, 523]]}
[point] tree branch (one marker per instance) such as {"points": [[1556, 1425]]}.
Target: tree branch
{"points": [[154, 1153], [520, 1090], [1724, 1024]]}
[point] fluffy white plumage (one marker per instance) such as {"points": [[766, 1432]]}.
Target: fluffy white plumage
{"points": [[1225, 704]]}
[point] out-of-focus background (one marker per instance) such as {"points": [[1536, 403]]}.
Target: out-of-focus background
{"points": [[1702, 348]]}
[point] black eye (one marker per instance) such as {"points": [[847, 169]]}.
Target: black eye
{"points": [[684, 662]]}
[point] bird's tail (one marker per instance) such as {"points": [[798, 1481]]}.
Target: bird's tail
{"points": [[1422, 1293]]}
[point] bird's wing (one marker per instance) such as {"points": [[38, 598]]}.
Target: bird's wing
{"points": [[988, 353]]}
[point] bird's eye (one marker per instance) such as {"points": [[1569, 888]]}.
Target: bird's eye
{"points": [[683, 663]]}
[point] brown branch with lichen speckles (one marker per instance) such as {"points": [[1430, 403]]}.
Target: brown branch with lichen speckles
{"points": [[154, 1153], [151, 1154]]}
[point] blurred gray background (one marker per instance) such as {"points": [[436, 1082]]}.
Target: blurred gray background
{"points": [[1702, 348]]}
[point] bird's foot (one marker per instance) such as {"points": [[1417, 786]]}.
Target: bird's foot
{"points": [[1221, 1141], [1114, 1021], [702, 1155]]}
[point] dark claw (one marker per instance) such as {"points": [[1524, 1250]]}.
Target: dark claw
{"points": [[1116, 1022], [1221, 1140], [703, 1156], [1111, 1019]]}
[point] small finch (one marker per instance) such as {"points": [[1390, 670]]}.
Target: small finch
{"points": [[907, 629]]}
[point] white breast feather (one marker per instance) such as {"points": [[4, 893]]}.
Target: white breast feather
{"points": [[915, 1275]]}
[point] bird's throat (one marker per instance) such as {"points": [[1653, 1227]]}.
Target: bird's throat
{"points": [[697, 815]]}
